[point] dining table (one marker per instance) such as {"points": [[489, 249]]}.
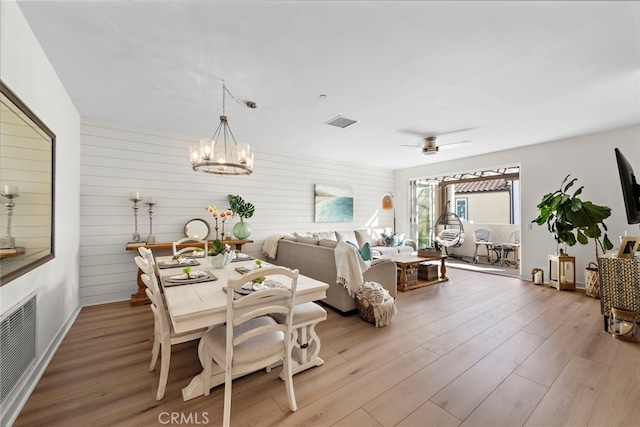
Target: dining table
{"points": [[194, 306]]}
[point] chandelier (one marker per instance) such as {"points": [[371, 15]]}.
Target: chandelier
{"points": [[222, 155]]}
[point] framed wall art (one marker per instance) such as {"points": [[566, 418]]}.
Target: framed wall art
{"points": [[333, 203], [628, 247]]}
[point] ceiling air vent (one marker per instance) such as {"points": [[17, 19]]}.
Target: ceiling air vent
{"points": [[341, 122]]}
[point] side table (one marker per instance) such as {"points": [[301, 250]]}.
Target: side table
{"points": [[562, 272]]}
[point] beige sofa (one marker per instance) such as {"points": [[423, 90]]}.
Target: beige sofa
{"points": [[314, 257]]}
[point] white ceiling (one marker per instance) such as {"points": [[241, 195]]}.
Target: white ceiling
{"points": [[500, 74]]}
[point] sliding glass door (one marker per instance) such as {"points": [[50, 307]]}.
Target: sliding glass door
{"points": [[424, 211]]}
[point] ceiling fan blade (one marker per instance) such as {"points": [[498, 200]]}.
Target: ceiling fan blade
{"points": [[423, 134], [412, 146], [454, 145]]}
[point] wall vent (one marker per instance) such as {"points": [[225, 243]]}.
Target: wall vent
{"points": [[17, 344]]}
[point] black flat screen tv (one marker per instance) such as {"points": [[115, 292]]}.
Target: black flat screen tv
{"points": [[630, 189]]}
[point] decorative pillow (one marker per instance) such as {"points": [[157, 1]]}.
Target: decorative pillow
{"points": [[399, 239], [308, 240], [367, 236], [330, 235], [388, 239], [346, 236], [328, 243], [365, 251]]}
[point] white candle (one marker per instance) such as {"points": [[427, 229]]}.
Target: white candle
{"points": [[151, 199], [625, 327], [538, 278], [10, 189], [135, 195]]}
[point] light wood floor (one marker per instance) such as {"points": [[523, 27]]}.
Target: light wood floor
{"points": [[478, 350]]}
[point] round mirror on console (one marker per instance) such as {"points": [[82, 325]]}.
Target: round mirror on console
{"points": [[197, 229]]}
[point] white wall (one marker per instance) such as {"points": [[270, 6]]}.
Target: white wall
{"points": [[488, 207], [118, 159], [25, 69], [589, 158]]}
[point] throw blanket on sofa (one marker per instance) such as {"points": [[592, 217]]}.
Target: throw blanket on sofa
{"points": [[384, 306], [270, 246], [349, 267]]}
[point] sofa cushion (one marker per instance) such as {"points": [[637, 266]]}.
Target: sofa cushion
{"points": [[367, 236], [308, 240], [328, 243], [386, 250], [404, 249], [348, 236], [329, 235]]}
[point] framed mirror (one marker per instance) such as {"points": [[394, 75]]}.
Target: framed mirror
{"points": [[197, 228], [27, 160]]}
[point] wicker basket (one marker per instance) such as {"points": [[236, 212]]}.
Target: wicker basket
{"points": [[428, 272], [365, 310], [591, 281], [412, 275]]}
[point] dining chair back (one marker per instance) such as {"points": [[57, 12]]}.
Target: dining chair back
{"points": [[187, 249], [512, 246], [482, 238], [148, 255], [252, 339], [164, 336]]}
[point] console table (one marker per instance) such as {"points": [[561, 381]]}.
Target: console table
{"points": [[8, 253], [140, 297]]}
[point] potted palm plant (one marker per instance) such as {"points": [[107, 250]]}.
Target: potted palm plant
{"points": [[244, 210], [572, 221]]}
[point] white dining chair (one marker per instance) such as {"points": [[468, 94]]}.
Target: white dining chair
{"points": [[164, 336], [251, 339], [188, 249], [512, 246], [482, 238]]}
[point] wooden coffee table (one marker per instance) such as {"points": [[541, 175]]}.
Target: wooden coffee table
{"points": [[406, 260]]}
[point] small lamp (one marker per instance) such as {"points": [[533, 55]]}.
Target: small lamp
{"points": [[388, 205]]}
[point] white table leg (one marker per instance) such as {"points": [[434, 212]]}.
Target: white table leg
{"points": [[306, 347]]}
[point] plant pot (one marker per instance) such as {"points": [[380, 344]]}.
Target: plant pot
{"points": [[242, 230], [221, 260]]}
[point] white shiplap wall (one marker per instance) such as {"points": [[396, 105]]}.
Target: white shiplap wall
{"points": [[116, 159]]}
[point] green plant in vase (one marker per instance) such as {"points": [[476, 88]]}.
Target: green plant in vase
{"points": [[220, 254], [244, 210], [565, 214], [187, 271]]}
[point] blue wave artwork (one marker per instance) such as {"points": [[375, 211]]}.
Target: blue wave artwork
{"points": [[334, 203]]}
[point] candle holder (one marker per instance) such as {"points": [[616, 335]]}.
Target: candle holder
{"points": [[135, 199], [8, 242], [151, 238]]}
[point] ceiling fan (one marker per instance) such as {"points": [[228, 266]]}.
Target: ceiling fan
{"points": [[430, 146]]}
